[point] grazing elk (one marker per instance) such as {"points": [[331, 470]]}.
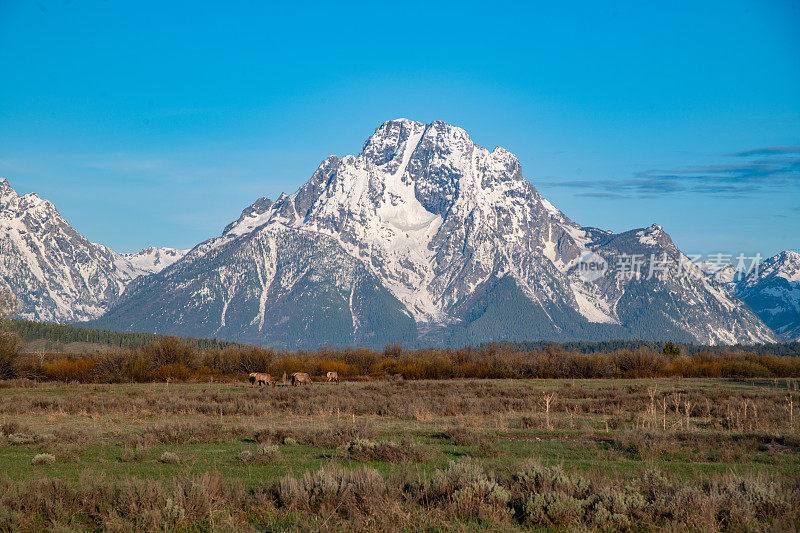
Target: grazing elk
{"points": [[332, 376], [261, 379], [301, 378]]}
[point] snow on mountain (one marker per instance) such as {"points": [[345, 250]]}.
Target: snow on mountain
{"points": [[785, 265], [55, 272], [153, 259], [666, 290], [726, 274], [773, 292], [443, 232]]}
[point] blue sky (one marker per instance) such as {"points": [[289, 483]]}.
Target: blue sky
{"points": [[156, 123]]}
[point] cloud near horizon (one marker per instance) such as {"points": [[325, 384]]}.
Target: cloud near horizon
{"points": [[745, 172]]}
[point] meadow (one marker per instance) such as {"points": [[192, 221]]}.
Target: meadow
{"points": [[388, 453]]}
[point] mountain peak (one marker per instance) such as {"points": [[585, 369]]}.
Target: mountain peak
{"points": [[400, 121], [6, 190], [18, 204], [784, 265], [251, 216]]}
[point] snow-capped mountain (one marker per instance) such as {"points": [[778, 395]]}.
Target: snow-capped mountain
{"points": [[773, 292], [426, 237], [726, 274], [55, 272], [153, 259]]}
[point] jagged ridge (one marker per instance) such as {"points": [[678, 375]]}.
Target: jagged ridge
{"points": [[56, 274], [454, 237]]}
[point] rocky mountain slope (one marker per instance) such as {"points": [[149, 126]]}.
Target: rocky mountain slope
{"points": [[773, 292], [56, 274], [425, 237]]}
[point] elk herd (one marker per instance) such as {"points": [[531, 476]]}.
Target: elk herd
{"points": [[296, 379]]}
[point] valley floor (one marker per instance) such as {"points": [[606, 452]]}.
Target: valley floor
{"points": [[644, 454]]}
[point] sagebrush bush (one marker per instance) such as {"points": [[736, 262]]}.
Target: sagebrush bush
{"points": [[391, 451], [553, 508], [20, 439], [170, 458], [268, 453], [43, 459], [464, 492], [360, 491]]}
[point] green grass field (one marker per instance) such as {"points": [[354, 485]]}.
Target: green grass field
{"points": [[448, 455]]}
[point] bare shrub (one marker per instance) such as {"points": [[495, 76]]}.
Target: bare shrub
{"points": [[10, 347], [68, 370], [10, 427], [170, 350], [530, 422]]}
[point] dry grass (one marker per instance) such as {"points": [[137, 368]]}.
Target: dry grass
{"points": [[462, 454]]}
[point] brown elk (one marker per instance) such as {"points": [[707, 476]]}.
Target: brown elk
{"points": [[261, 379], [332, 376], [301, 378]]}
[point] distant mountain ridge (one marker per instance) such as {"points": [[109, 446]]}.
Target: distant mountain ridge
{"points": [[771, 289], [56, 274], [153, 259]]}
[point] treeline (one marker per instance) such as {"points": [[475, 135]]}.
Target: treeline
{"points": [[789, 349], [171, 358], [64, 334]]}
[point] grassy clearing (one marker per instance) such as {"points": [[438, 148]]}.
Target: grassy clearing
{"points": [[640, 454]]}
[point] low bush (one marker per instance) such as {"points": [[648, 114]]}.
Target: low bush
{"points": [[461, 436], [390, 451], [169, 458], [43, 459], [268, 453], [20, 439]]}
